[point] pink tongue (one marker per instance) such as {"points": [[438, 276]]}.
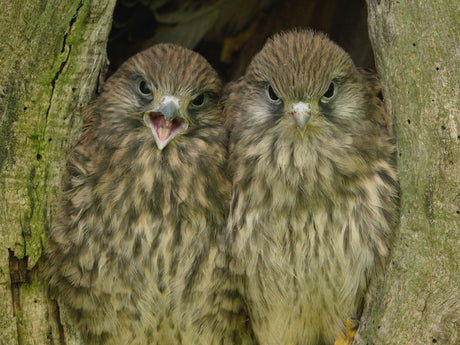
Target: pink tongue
{"points": [[162, 128], [163, 132]]}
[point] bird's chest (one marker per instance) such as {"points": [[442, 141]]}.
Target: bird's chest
{"points": [[297, 248], [146, 239], [296, 257], [158, 266], [151, 231], [154, 246]]}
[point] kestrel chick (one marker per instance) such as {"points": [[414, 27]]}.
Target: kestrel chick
{"points": [[131, 254], [315, 192]]}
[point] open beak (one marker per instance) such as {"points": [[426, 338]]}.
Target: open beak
{"points": [[166, 121], [302, 112]]}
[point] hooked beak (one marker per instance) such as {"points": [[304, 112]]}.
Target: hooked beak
{"points": [[166, 121], [302, 112]]}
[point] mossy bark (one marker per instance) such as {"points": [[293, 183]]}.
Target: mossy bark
{"points": [[52, 54], [416, 45]]}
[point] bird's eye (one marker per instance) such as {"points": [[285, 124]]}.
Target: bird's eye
{"points": [[144, 88], [272, 96], [329, 94], [198, 101]]}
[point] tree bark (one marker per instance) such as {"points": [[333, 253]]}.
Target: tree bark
{"points": [[52, 54], [416, 48]]}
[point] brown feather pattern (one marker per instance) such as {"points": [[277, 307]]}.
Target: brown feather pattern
{"points": [[313, 209], [132, 251]]}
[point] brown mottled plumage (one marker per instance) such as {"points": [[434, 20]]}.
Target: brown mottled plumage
{"points": [[131, 255], [315, 192]]}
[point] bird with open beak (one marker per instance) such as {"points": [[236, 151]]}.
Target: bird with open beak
{"points": [[131, 254], [166, 119]]}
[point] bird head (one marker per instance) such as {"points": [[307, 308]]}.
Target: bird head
{"points": [[303, 82], [167, 91]]}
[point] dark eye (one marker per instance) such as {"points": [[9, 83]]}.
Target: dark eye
{"points": [[272, 96], [329, 93], [144, 88], [198, 101]]}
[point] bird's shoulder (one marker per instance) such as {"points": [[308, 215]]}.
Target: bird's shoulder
{"points": [[231, 100], [85, 151], [373, 87]]}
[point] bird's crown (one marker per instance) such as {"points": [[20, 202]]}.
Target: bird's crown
{"points": [[300, 64]]}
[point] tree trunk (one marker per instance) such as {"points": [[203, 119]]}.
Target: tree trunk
{"points": [[417, 56], [52, 54]]}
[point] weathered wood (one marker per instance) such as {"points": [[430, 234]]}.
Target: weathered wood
{"points": [[52, 54], [417, 55]]}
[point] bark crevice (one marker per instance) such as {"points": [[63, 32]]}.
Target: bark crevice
{"points": [[19, 274], [71, 23]]}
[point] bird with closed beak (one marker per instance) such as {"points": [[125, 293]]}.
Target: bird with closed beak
{"points": [[131, 254], [315, 194]]}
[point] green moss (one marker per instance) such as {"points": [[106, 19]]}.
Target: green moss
{"points": [[9, 115], [41, 62], [34, 220]]}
